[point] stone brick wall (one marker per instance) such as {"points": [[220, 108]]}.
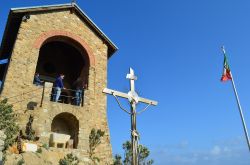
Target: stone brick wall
{"points": [[19, 79]]}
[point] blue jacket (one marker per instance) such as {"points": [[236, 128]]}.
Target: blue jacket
{"points": [[37, 80], [59, 82]]}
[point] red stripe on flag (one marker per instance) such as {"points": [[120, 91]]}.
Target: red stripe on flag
{"points": [[226, 75]]}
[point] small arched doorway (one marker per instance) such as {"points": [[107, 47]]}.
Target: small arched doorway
{"points": [[63, 55], [66, 123]]}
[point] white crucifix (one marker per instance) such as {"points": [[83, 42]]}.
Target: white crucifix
{"points": [[134, 99]]}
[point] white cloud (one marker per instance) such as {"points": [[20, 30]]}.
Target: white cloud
{"points": [[226, 149], [229, 152], [216, 150], [183, 144]]}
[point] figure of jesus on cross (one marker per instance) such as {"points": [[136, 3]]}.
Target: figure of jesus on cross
{"points": [[134, 99]]}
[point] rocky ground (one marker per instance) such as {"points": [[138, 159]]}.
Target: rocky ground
{"points": [[2, 138], [45, 157]]}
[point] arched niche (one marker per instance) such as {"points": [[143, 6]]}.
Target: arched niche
{"points": [[61, 54], [66, 123]]}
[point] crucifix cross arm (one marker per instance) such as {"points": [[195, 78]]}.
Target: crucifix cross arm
{"points": [[127, 96]]}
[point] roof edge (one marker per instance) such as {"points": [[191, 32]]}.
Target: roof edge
{"points": [[67, 6], [43, 6]]}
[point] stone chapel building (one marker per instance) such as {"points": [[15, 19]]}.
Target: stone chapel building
{"points": [[50, 40]]}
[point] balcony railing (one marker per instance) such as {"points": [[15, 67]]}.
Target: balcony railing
{"points": [[44, 93], [67, 96]]}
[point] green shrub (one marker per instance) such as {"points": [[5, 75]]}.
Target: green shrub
{"points": [[8, 123], [69, 159], [94, 141], [30, 133], [117, 160], [143, 154], [46, 146], [21, 162], [39, 150]]}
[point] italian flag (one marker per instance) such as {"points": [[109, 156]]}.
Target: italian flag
{"points": [[226, 75]]}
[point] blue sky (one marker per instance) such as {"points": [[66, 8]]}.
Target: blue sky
{"points": [[174, 48]]}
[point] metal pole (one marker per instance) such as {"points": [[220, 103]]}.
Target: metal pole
{"points": [[133, 136], [82, 97], [241, 113], [41, 104]]}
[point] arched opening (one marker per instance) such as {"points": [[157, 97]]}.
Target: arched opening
{"points": [[66, 123], [63, 55]]}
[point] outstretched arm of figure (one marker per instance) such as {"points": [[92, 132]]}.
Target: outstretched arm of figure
{"points": [[144, 109], [120, 104]]}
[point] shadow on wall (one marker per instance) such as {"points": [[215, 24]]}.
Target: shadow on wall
{"points": [[31, 105]]}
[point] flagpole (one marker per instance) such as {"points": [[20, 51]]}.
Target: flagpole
{"points": [[239, 106], [241, 113]]}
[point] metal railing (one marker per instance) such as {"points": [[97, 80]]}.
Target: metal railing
{"points": [[71, 98], [63, 98]]}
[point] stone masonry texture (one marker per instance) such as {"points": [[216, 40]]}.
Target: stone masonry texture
{"points": [[20, 90]]}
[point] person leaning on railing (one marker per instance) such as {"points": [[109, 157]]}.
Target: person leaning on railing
{"points": [[79, 85], [58, 87], [37, 80]]}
